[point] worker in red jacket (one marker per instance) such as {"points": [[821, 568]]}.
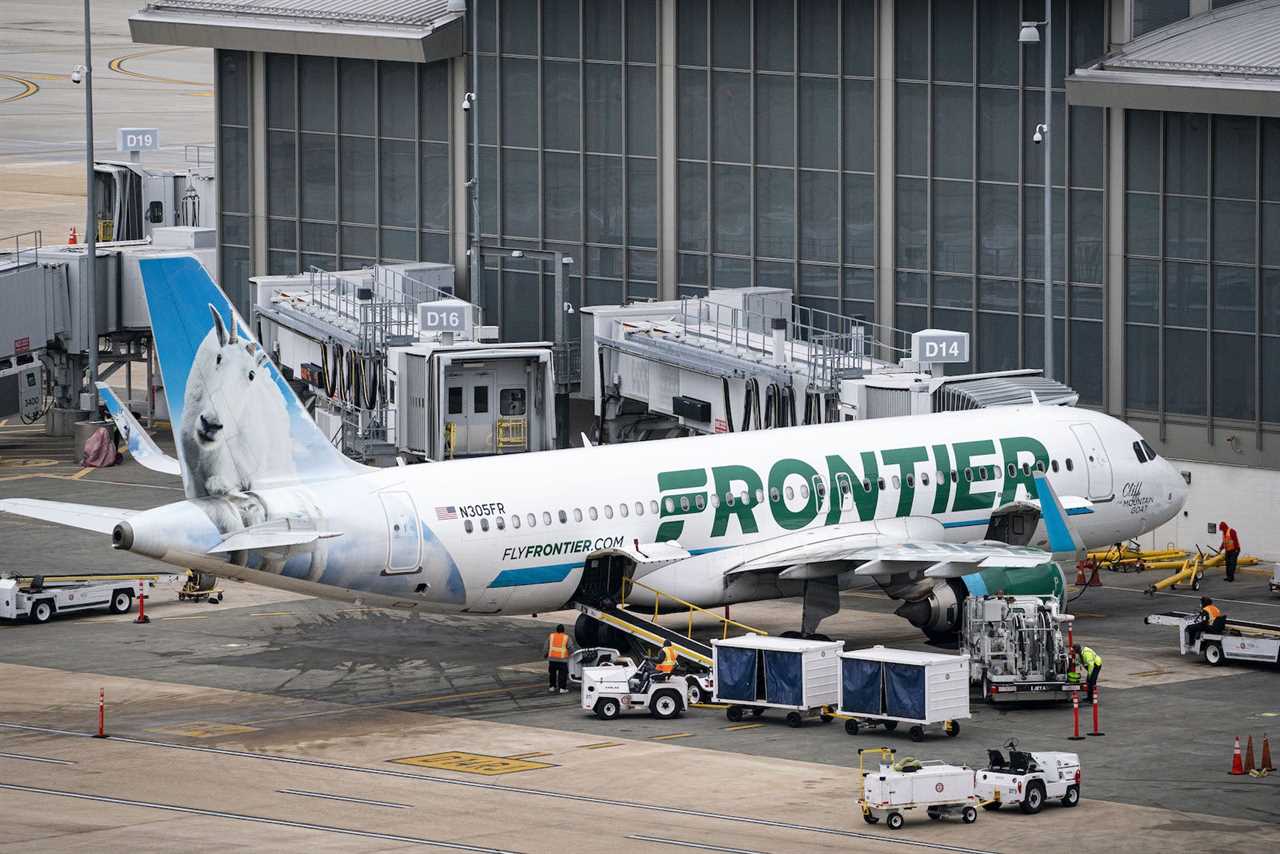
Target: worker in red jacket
{"points": [[1230, 547]]}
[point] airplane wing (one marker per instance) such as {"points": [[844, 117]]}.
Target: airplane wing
{"points": [[141, 446], [88, 517]]}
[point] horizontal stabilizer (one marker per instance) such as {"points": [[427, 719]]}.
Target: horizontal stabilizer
{"points": [[275, 534], [87, 517], [141, 446]]}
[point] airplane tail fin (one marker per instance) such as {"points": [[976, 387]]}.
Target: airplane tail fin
{"points": [[237, 424], [1064, 541]]}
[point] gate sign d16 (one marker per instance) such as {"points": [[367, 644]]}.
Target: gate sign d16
{"points": [[138, 139], [940, 346], [446, 315]]}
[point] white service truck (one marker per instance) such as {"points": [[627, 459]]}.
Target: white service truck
{"points": [[38, 600], [1239, 640], [1018, 648], [611, 689], [1028, 779]]}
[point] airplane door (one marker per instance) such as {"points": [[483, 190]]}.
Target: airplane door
{"points": [[1097, 464], [404, 533], [481, 413]]}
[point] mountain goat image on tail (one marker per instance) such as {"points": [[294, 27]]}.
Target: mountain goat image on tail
{"points": [[234, 433]]}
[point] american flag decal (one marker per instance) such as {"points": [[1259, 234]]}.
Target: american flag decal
{"points": [[446, 514]]}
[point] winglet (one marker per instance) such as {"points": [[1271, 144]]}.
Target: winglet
{"points": [[1063, 539], [141, 446]]}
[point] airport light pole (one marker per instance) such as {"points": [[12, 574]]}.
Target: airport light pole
{"points": [[469, 104], [1030, 34], [91, 225]]}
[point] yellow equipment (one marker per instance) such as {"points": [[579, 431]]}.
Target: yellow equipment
{"points": [[200, 585], [1191, 572]]}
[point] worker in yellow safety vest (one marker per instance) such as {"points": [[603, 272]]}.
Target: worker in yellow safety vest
{"points": [[558, 661], [1092, 663], [667, 663]]}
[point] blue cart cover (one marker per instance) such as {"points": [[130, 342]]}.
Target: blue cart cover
{"points": [[904, 697], [861, 686], [783, 678], [735, 674]]}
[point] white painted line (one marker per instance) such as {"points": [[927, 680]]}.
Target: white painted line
{"points": [[26, 758], [678, 843]]}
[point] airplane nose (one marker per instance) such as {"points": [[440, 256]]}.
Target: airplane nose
{"points": [[1178, 489]]}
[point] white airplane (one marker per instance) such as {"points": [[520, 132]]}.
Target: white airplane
{"points": [[932, 508]]}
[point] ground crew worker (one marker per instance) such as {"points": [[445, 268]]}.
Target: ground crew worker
{"points": [[668, 662], [1093, 666], [1230, 547], [558, 661], [1211, 620]]}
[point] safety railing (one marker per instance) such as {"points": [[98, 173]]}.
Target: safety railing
{"points": [[659, 595], [26, 246]]}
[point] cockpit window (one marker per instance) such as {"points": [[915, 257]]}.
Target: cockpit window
{"points": [[1137, 449], [1151, 452]]}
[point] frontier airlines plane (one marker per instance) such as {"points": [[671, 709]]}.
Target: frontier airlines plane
{"points": [[931, 508]]}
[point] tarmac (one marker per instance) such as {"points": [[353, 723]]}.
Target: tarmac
{"points": [[283, 721]]}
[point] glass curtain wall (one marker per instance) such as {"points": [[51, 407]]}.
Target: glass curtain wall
{"points": [[969, 185], [775, 119], [1149, 15], [357, 165], [234, 176], [568, 101], [1202, 266]]}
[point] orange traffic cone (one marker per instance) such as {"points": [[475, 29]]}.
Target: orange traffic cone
{"points": [[1237, 767], [1248, 757], [1081, 580], [1094, 580], [73, 238], [1266, 755]]}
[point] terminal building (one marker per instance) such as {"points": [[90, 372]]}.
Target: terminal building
{"points": [[874, 157]]}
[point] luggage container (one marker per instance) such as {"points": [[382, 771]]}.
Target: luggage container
{"points": [[758, 672], [891, 686]]}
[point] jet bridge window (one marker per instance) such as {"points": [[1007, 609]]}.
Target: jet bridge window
{"points": [[480, 399], [511, 401], [455, 400]]}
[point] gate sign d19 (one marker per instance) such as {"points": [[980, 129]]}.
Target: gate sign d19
{"points": [[138, 139], [940, 346], [446, 315]]}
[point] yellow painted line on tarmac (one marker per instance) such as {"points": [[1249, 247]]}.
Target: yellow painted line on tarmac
{"points": [[672, 736], [84, 471], [1089, 615], [534, 755], [208, 94], [737, 727], [272, 614], [29, 88], [117, 65], [709, 705], [601, 745], [187, 617]]}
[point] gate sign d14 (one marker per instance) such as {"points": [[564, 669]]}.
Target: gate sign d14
{"points": [[940, 346], [138, 139], [446, 315]]}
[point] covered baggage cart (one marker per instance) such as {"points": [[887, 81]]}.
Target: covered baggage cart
{"points": [[891, 686], [892, 788], [759, 672]]}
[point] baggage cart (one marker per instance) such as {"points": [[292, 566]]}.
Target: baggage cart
{"points": [[892, 788], [886, 686], [758, 672]]}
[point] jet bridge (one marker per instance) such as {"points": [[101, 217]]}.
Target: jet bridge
{"points": [[749, 359]]}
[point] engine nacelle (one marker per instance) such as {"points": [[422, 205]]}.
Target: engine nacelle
{"points": [[938, 612]]}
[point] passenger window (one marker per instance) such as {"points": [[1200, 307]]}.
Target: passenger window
{"points": [[577, 514], [699, 501], [1070, 467], [774, 495], [1054, 465], [639, 508], [1040, 466], [819, 489], [564, 517], [1026, 468], [968, 475], [728, 499], [911, 481], [546, 517], [684, 503], [608, 511], [715, 499], [484, 524], [1012, 470], [866, 486], [480, 399], [467, 526], [881, 484], [500, 523], [924, 478], [804, 491], [515, 521], [622, 510], [897, 484], [955, 477], [455, 400], [653, 506], [591, 511], [511, 401], [533, 520], [791, 492], [1138, 452]]}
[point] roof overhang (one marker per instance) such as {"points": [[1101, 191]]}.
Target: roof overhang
{"points": [[195, 27], [1226, 61]]}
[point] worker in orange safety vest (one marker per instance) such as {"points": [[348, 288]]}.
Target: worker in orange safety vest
{"points": [[558, 661], [1230, 547], [668, 662]]}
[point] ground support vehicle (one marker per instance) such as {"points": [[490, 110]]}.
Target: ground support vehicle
{"points": [[1028, 779], [699, 683], [754, 673], [891, 789], [1018, 648], [200, 586], [39, 600], [887, 687], [1274, 583], [609, 690], [1239, 640]]}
